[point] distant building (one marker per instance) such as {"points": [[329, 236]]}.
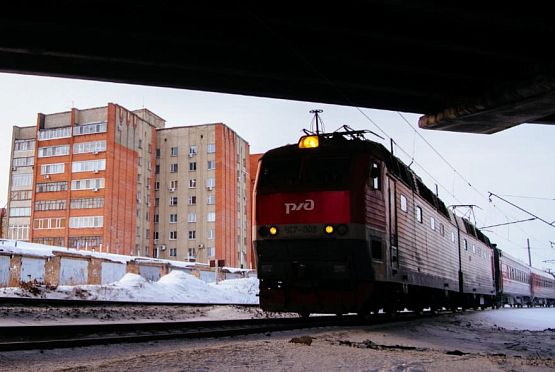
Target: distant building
{"points": [[3, 223], [203, 195], [113, 180]]}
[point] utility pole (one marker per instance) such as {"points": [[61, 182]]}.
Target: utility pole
{"points": [[529, 255]]}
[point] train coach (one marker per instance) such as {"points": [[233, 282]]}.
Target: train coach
{"points": [[342, 226]]}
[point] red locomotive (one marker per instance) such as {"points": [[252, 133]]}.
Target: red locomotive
{"points": [[342, 226]]}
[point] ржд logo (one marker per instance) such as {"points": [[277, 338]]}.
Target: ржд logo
{"points": [[307, 205]]}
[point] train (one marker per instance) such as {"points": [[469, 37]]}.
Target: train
{"points": [[341, 225]]}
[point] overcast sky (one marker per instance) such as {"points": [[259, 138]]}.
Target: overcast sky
{"points": [[517, 162]]}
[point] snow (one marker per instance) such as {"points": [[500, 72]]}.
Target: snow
{"points": [[177, 286], [531, 319]]}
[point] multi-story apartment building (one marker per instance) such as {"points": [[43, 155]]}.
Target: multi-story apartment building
{"points": [[203, 195], [117, 181], [85, 179]]}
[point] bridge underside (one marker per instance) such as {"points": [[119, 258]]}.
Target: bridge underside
{"points": [[464, 67]]}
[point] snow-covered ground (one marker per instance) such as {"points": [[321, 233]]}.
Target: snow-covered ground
{"points": [[176, 286]]}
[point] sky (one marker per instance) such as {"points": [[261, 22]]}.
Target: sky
{"points": [[516, 164]]}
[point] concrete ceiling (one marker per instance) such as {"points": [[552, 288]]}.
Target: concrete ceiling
{"points": [[471, 66]]}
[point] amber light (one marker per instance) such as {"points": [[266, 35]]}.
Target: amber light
{"points": [[273, 230], [309, 142], [329, 229]]}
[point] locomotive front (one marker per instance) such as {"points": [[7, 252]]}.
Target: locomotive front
{"points": [[309, 227]]}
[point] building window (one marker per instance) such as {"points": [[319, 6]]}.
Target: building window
{"points": [[173, 151], [52, 168], [156, 185], [155, 236], [192, 150], [192, 217], [88, 184], [192, 200], [157, 169], [52, 186], [211, 164], [49, 223], [173, 200], [192, 234], [50, 205], [24, 145], [18, 232], [173, 235], [173, 252], [192, 253], [192, 166], [86, 221], [210, 182], [158, 153], [211, 148], [418, 212], [156, 218], [211, 234], [44, 152], [173, 185], [465, 244], [211, 217], [211, 199], [404, 206], [88, 165], [89, 147], [375, 176], [21, 195], [90, 128], [56, 241], [173, 168], [23, 162], [47, 134], [452, 236], [84, 242], [173, 218], [432, 223], [442, 229], [20, 212], [22, 180], [192, 183]]}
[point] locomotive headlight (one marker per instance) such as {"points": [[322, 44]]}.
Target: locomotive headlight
{"points": [[309, 142], [273, 230], [342, 229], [328, 229]]}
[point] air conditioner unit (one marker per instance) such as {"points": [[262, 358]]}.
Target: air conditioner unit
{"points": [[46, 176], [95, 152], [147, 186], [210, 188], [171, 189], [163, 247], [14, 168], [96, 171], [95, 189], [191, 154]]}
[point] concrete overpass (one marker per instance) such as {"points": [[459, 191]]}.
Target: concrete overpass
{"points": [[472, 67]]}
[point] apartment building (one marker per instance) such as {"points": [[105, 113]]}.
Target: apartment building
{"points": [[85, 179], [118, 181], [203, 195]]}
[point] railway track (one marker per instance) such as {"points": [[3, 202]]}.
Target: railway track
{"points": [[77, 335], [28, 301]]}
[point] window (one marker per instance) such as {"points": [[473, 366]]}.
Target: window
{"points": [[157, 152], [52, 168], [377, 251], [404, 206], [192, 253], [22, 180], [211, 216], [173, 218], [173, 151], [155, 235], [156, 218], [52, 186], [53, 151], [192, 234], [192, 150], [24, 145], [442, 229], [375, 176], [211, 199], [47, 134], [418, 212], [157, 169], [173, 185], [173, 252], [88, 184], [173, 168], [210, 182], [211, 251], [50, 205], [89, 128], [192, 183], [18, 232], [192, 166], [89, 147], [88, 165], [49, 223], [23, 162], [432, 223], [84, 242], [156, 185], [20, 212], [211, 234], [211, 148], [192, 217], [21, 195], [56, 241], [211, 164], [173, 235], [465, 245], [192, 200], [86, 222], [452, 236]]}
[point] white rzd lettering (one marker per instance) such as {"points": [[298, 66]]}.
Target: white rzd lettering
{"points": [[306, 205]]}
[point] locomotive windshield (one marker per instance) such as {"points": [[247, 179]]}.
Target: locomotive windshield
{"points": [[304, 173]]}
